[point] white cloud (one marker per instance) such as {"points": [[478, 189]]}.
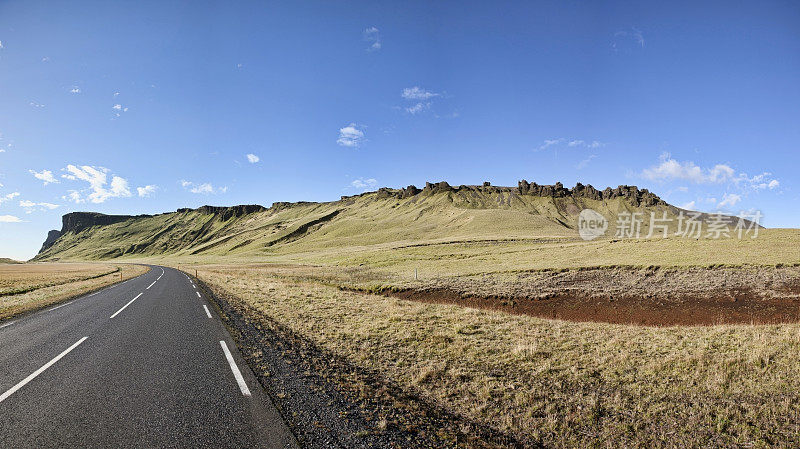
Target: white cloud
{"points": [[417, 93], [773, 184], [116, 94], [45, 176], [1, 45], [417, 108], [252, 158], [74, 196], [670, 169], [30, 206], [362, 183], [146, 191], [9, 219], [688, 206], [729, 200], [99, 188], [36, 105], [117, 107], [570, 143], [350, 136], [373, 36], [203, 188], [8, 197], [75, 90], [584, 163]]}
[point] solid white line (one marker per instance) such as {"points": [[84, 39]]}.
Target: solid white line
{"points": [[198, 294], [154, 283], [126, 305], [7, 324], [25, 381], [236, 373], [207, 312], [59, 306]]}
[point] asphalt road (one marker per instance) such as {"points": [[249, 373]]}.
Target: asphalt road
{"points": [[145, 363]]}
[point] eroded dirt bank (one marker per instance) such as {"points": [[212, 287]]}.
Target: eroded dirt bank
{"points": [[648, 296]]}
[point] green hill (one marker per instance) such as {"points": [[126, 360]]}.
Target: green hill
{"points": [[392, 217]]}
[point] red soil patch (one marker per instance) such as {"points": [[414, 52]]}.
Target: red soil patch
{"points": [[732, 307]]}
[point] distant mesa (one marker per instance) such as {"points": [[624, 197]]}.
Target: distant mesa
{"points": [[76, 222]]}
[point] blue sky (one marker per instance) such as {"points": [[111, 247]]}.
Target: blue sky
{"points": [[144, 107]]}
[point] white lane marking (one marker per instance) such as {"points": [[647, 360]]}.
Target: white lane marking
{"points": [[198, 294], [126, 305], [206, 309], [236, 373], [162, 274], [195, 287], [154, 283], [7, 324], [25, 381], [59, 306]]}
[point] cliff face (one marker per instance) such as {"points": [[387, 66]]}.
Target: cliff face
{"points": [[637, 197], [78, 221], [52, 236]]}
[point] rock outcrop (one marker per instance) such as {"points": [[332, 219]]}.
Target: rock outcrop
{"points": [[52, 236], [226, 213], [78, 221], [637, 196]]}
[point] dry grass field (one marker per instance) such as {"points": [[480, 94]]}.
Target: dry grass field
{"points": [[550, 382], [25, 287]]}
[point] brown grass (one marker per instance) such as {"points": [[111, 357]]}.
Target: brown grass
{"points": [[25, 287], [558, 383]]}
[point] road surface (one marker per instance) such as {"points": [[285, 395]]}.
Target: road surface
{"points": [[144, 363]]}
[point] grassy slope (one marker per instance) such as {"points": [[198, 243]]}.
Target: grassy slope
{"points": [[442, 234]]}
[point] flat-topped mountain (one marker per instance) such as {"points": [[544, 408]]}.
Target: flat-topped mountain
{"points": [[436, 212]]}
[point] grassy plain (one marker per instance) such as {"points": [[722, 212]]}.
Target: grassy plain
{"points": [[552, 382], [25, 287]]}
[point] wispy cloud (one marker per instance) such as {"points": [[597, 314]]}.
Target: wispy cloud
{"points": [[46, 176], [417, 93], [36, 105], [417, 108], [689, 206], [118, 109], [372, 35], [628, 40], [9, 219], [100, 189], [729, 200], [75, 90], [204, 188], [351, 136], [362, 183], [8, 197], [146, 191], [252, 158], [570, 143], [584, 163], [30, 206]]}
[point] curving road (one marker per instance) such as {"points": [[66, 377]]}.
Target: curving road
{"points": [[144, 363]]}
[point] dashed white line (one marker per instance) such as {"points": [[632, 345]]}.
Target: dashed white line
{"points": [[206, 309], [33, 375], [154, 283], [198, 294], [126, 305], [236, 373], [7, 324], [59, 306]]}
